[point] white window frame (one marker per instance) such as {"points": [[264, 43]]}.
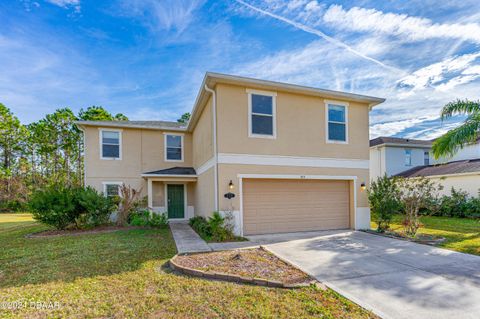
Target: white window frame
{"points": [[110, 183], [250, 92], [410, 161], [100, 140], [327, 106], [165, 146]]}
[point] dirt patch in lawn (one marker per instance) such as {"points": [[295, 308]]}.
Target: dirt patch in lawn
{"points": [[253, 263], [75, 232]]}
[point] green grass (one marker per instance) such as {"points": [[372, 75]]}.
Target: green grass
{"points": [[122, 275], [461, 234]]}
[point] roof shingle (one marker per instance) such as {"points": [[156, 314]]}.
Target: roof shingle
{"points": [[456, 167], [396, 140], [173, 171], [136, 124]]}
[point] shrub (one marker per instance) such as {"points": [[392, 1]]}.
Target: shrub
{"points": [[158, 220], [139, 218], [145, 218], [78, 207], [201, 226], [473, 208], [415, 194], [95, 206], [55, 207], [383, 196], [457, 204], [213, 229]]}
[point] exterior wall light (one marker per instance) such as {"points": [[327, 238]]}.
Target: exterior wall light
{"points": [[363, 186], [230, 195]]}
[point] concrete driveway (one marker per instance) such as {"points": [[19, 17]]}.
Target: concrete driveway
{"points": [[393, 278]]}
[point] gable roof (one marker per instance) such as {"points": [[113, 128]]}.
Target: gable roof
{"points": [[456, 167], [153, 125], [399, 141], [177, 170]]}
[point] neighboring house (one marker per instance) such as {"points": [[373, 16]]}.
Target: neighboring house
{"points": [[392, 155], [461, 171], [461, 175], [295, 157], [413, 158]]}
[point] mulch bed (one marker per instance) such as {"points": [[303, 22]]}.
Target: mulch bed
{"points": [[76, 232], [419, 239], [247, 263]]}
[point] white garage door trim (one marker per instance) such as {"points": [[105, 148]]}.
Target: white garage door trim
{"points": [[324, 177]]}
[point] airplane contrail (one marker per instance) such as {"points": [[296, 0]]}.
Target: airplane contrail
{"points": [[320, 34]]}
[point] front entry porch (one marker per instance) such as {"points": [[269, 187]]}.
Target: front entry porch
{"points": [[171, 193]]}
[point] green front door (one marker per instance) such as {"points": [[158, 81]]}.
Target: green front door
{"points": [[176, 201]]}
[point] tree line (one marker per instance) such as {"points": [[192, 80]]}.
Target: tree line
{"points": [[44, 153]]}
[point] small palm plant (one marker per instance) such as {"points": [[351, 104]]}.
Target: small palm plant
{"points": [[467, 133]]}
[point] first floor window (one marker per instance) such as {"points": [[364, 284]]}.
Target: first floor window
{"points": [[112, 190], [262, 115], [426, 158], [174, 145], [110, 144], [408, 157], [337, 123]]}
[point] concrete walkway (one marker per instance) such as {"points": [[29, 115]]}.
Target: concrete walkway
{"points": [[186, 239], [393, 278]]}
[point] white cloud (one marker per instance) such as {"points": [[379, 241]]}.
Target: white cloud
{"points": [[407, 27], [165, 14], [66, 4], [444, 75], [432, 132], [395, 127]]}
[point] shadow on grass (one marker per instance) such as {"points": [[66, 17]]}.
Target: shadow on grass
{"points": [[40, 260]]}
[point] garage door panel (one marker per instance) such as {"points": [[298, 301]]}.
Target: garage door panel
{"points": [[271, 206]]}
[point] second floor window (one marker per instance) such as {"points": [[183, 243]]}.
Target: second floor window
{"points": [[111, 146], [337, 123], [174, 147], [408, 157], [262, 115], [426, 158]]}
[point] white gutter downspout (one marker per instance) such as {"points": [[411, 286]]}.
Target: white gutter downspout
{"points": [[215, 153]]}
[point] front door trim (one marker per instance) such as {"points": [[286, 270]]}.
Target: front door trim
{"points": [[184, 200], [300, 177]]}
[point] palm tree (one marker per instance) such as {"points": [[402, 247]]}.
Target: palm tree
{"points": [[449, 143]]}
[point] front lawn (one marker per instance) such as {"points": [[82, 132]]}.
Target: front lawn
{"points": [[122, 275], [461, 234]]}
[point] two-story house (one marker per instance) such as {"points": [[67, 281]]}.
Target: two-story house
{"points": [[296, 158], [393, 155], [413, 158]]}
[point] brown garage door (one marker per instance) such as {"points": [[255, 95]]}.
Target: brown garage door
{"points": [[275, 205]]}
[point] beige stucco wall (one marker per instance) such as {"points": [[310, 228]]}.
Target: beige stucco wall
{"points": [[204, 193], [203, 136], [158, 192], [300, 121], [142, 151], [468, 183]]}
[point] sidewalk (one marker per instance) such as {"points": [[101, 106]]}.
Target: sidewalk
{"points": [[187, 240]]}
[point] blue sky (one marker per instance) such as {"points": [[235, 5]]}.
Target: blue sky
{"points": [[146, 58]]}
